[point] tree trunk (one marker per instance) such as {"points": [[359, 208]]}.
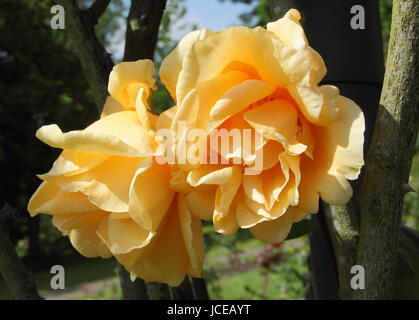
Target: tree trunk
{"points": [[143, 24], [131, 290], [185, 291], [95, 61], [17, 277], [343, 231], [158, 291], [390, 155], [200, 287], [34, 251]]}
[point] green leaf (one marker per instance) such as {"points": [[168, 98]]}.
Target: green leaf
{"points": [[301, 228]]}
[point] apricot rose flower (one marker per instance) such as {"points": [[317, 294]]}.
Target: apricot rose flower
{"points": [[265, 79]]}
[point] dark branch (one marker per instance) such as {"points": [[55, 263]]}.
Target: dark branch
{"points": [[279, 8], [17, 277], [96, 10], [143, 24], [131, 290], [185, 291], [158, 291], [95, 61]]}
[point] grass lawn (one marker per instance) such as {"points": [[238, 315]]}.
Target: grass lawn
{"points": [[285, 280], [77, 270]]}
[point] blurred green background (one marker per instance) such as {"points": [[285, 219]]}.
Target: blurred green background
{"points": [[41, 82]]}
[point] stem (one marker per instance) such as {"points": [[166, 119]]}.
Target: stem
{"points": [[390, 155]]}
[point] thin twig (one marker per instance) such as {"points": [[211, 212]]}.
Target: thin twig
{"points": [[96, 10]]}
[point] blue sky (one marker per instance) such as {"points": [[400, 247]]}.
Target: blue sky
{"points": [[211, 14], [214, 14]]}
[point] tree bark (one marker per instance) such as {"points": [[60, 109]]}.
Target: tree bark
{"points": [[390, 155], [96, 10], [158, 291], [95, 61], [34, 251], [143, 24], [17, 277], [280, 7], [343, 231], [131, 290], [185, 291], [200, 287]]}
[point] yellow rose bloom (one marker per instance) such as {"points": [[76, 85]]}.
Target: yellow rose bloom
{"points": [[109, 196], [112, 194], [267, 79]]}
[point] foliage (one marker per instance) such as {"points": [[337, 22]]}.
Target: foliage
{"points": [[385, 14], [302, 227], [40, 83]]}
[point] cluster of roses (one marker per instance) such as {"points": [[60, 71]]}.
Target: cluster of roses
{"points": [[110, 196]]}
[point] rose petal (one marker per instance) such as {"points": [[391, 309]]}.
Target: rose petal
{"points": [[117, 134], [201, 204], [123, 235], [150, 196], [192, 235], [50, 199], [172, 64], [126, 74]]}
